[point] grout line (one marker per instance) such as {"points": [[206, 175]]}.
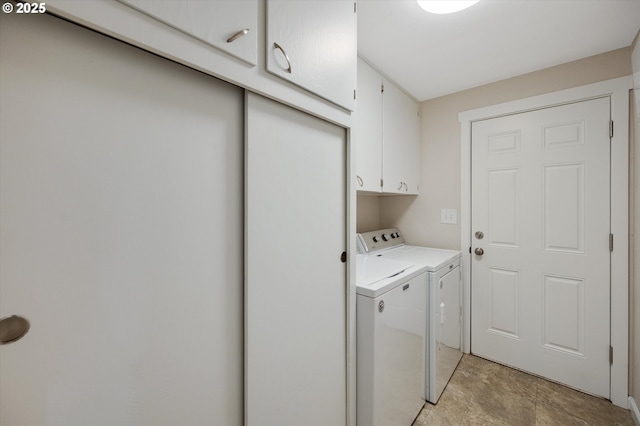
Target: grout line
{"points": [[535, 402]]}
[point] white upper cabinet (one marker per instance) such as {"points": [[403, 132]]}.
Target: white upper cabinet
{"points": [[229, 25], [234, 40], [401, 142], [313, 45], [367, 133], [386, 134]]}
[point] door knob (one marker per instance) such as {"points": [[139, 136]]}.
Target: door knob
{"points": [[479, 251], [13, 328]]}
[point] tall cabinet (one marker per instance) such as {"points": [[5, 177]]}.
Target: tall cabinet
{"points": [[368, 129], [400, 141], [387, 135]]}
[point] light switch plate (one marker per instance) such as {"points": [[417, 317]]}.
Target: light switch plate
{"points": [[449, 216]]}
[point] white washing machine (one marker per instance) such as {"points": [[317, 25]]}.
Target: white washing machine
{"points": [[443, 322], [391, 312]]}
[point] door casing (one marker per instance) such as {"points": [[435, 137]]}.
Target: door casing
{"points": [[618, 92]]}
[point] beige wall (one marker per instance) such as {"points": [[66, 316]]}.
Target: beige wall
{"points": [[368, 213], [419, 217], [634, 329]]}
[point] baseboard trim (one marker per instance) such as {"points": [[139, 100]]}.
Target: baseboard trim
{"points": [[635, 413]]}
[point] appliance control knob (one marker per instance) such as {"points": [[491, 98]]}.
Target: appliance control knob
{"points": [[393, 235], [398, 234], [375, 239], [385, 237]]}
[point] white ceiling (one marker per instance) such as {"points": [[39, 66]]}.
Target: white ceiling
{"points": [[434, 55]]}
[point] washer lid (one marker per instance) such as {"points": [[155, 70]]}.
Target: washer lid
{"points": [[371, 269], [425, 258]]}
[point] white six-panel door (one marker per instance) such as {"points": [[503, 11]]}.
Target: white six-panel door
{"points": [[541, 288]]}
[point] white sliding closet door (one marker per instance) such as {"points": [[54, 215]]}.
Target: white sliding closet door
{"points": [[120, 233], [295, 280]]}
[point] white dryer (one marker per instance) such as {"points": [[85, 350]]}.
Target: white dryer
{"points": [[443, 322]]}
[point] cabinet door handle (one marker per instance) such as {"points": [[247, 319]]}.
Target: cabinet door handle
{"points": [[238, 35], [277, 46], [403, 185], [360, 181]]}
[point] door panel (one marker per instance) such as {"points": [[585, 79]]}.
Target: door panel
{"points": [[503, 214], [448, 309], [563, 216], [448, 339], [503, 307], [295, 296], [540, 194], [120, 233]]}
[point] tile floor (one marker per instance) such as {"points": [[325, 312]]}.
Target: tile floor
{"points": [[485, 393]]}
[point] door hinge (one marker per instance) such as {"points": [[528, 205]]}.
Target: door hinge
{"points": [[611, 355], [610, 242], [354, 94], [381, 183], [355, 7], [382, 88], [469, 250], [610, 128]]}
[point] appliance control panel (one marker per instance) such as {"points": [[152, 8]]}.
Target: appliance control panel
{"points": [[369, 242]]}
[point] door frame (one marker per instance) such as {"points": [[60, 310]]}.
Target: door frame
{"points": [[618, 91]]}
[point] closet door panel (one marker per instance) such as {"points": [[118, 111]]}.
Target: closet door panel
{"points": [[120, 233], [296, 290]]}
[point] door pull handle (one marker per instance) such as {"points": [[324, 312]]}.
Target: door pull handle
{"points": [[286, 57], [13, 328]]}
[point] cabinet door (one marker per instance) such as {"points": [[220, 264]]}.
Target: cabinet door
{"points": [[295, 281], [313, 45], [367, 131], [401, 146], [229, 25]]}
